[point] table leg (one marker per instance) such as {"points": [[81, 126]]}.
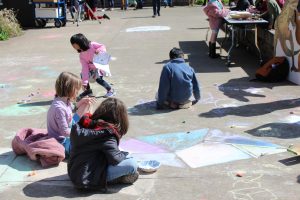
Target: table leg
{"points": [[232, 45], [256, 44], [225, 38]]}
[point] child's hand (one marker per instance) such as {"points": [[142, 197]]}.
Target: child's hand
{"points": [[85, 105], [84, 87]]}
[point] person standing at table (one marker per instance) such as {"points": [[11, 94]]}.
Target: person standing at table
{"points": [[241, 5], [215, 12], [273, 11]]}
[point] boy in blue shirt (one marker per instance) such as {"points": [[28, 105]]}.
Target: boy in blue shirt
{"points": [[177, 83]]}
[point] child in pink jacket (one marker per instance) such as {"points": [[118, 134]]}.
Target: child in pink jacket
{"points": [[87, 50], [215, 12]]}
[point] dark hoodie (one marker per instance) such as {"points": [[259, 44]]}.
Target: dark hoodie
{"points": [[94, 146]]}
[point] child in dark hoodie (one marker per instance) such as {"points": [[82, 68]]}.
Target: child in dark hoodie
{"points": [[95, 158]]}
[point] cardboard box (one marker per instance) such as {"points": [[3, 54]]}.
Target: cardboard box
{"points": [[46, 13]]}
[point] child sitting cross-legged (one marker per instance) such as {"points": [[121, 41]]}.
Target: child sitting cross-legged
{"points": [[96, 159], [60, 116]]}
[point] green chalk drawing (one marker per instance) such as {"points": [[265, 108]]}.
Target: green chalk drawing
{"points": [[14, 169], [3, 85], [46, 71], [18, 110], [41, 68]]}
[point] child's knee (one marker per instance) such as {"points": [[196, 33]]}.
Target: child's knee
{"points": [[131, 165]]}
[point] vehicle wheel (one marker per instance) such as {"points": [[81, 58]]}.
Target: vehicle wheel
{"points": [[57, 23], [43, 23], [38, 23], [64, 22]]}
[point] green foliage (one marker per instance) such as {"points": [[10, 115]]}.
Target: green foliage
{"points": [[9, 26], [3, 35]]}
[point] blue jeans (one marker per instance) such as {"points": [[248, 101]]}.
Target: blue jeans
{"points": [[67, 145], [126, 167], [168, 2], [103, 83], [111, 3], [126, 4]]}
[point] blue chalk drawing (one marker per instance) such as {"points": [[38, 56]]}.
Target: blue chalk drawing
{"points": [[148, 29], [216, 135], [41, 68], [176, 141], [3, 86], [46, 71], [248, 141]]}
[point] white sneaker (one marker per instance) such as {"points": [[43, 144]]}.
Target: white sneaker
{"points": [[110, 93]]}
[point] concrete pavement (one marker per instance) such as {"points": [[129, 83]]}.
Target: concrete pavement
{"points": [[230, 104]]}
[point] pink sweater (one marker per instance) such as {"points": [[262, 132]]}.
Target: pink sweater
{"points": [[86, 60], [215, 15]]}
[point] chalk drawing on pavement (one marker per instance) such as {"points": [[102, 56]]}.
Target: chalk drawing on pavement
{"points": [[148, 29]]}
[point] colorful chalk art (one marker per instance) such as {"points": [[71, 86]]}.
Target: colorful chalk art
{"points": [[197, 148]]}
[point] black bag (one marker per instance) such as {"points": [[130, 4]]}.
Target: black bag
{"points": [[275, 70]]}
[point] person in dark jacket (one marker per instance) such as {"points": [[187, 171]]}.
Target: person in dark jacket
{"points": [[177, 83], [95, 158], [272, 12], [241, 5]]}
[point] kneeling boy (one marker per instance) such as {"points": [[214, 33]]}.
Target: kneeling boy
{"points": [[177, 83]]}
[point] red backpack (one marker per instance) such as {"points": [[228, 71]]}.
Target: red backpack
{"points": [[275, 70]]}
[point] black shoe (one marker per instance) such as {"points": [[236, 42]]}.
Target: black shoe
{"points": [[158, 14], [212, 50], [105, 17], [85, 93], [153, 16]]}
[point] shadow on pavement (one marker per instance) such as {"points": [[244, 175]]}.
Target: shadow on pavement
{"points": [[279, 130], [252, 109], [240, 88], [61, 186], [147, 108], [39, 103], [291, 161], [197, 56]]}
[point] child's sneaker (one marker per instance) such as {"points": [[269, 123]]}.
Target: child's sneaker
{"points": [[127, 179], [130, 179], [185, 105], [110, 93], [106, 17]]}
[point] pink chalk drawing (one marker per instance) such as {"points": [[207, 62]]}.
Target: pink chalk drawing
{"points": [[48, 94]]}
